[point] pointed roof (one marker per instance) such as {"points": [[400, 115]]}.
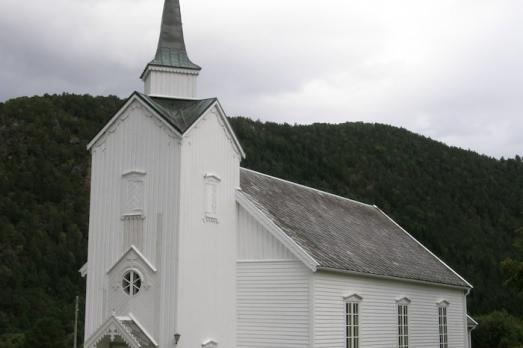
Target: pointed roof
{"points": [[118, 329], [171, 51], [179, 113]]}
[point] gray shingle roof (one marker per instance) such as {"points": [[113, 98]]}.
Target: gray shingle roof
{"points": [[342, 234], [179, 113], [137, 333]]}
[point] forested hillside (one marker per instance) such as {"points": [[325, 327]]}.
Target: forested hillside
{"points": [[464, 206]]}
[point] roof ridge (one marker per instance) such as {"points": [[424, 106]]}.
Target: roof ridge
{"points": [[310, 188]]}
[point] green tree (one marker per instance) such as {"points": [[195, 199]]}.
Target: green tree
{"points": [[512, 268], [498, 330]]}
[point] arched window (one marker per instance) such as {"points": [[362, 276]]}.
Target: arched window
{"points": [[131, 282], [442, 324], [403, 322], [352, 321]]}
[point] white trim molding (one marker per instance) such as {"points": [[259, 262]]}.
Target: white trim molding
{"points": [[424, 247], [111, 126], [83, 270], [443, 303], [353, 298], [403, 301], [210, 344], [132, 248]]}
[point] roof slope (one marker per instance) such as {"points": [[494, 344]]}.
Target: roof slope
{"points": [[179, 113], [343, 234]]}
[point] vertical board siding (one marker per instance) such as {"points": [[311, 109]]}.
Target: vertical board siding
{"points": [[171, 84], [132, 232], [207, 249], [256, 243], [135, 142], [272, 304], [378, 312]]}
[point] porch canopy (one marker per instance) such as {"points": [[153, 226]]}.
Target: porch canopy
{"points": [[120, 331]]}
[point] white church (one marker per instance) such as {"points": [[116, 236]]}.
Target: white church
{"points": [[188, 250]]}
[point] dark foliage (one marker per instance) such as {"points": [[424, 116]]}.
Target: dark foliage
{"points": [[498, 330], [44, 207], [512, 268], [462, 205]]}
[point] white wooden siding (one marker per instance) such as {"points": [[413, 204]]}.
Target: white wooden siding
{"points": [[174, 83], [378, 312], [205, 308], [256, 243], [136, 141], [272, 304]]}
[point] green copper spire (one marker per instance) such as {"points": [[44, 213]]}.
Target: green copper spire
{"points": [[171, 50]]}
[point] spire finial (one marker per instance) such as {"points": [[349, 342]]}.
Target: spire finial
{"points": [[171, 49]]}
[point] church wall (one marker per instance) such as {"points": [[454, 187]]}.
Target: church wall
{"points": [[273, 304], [206, 269], [272, 290], [378, 311], [138, 142]]}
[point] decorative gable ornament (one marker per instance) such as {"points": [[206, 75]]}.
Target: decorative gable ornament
{"points": [[403, 301], [353, 298], [210, 344], [443, 303], [112, 329]]}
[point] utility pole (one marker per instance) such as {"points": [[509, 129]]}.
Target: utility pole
{"points": [[76, 323]]}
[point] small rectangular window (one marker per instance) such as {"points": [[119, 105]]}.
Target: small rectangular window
{"points": [[211, 182], [442, 321], [352, 324], [133, 193]]}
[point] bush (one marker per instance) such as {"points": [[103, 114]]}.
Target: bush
{"points": [[498, 330]]}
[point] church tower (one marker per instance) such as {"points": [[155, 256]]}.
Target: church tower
{"points": [[171, 73], [162, 227]]}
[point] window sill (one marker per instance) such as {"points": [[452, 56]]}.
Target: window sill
{"points": [[133, 217], [210, 219]]}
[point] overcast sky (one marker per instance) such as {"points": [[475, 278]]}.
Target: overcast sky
{"points": [[449, 69]]}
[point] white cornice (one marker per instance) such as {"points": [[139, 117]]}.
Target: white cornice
{"points": [[167, 69], [112, 125]]}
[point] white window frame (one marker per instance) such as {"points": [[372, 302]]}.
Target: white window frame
{"points": [[352, 309], [132, 181], [132, 292], [211, 182], [402, 312], [443, 323]]}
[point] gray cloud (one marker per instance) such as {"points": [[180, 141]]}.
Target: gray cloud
{"points": [[451, 70]]}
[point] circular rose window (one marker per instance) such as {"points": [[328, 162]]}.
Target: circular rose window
{"points": [[131, 283]]}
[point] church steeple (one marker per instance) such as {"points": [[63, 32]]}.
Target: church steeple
{"points": [[171, 45], [171, 73]]}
